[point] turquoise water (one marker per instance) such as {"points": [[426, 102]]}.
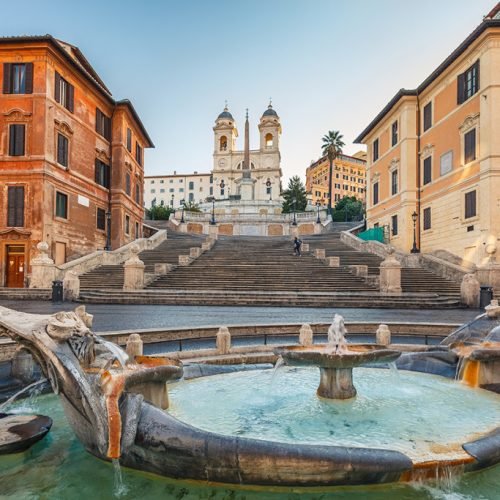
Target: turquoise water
{"points": [[59, 468], [405, 411]]}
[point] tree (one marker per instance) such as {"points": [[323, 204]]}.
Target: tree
{"points": [[296, 190], [158, 212], [191, 206], [332, 148], [347, 208]]}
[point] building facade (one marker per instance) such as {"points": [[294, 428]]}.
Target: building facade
{"points": [[349, 178], [265, 162], [72, 158], [171, 190], [435, 151]]}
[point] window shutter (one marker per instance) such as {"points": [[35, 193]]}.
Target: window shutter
{"points": [[107, 128], [478, 85], [71, 98], [7, 78], [96, 176], [29, 78], [12, 140], [19, 140], [11, 207], [98, 121], [57, 88], [19, 206], [461, 88]]}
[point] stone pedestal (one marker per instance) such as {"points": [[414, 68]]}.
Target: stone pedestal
{"points": [[71, 286], [184, 260], [360, 270], [383, 335], [223, 340], [304, 248], [336, 383], [134, 271], [333, 261], [134, 346], [163, 268], [390, 274], [470, 291], [213, 232], [246, 189], [305, 335], [194, 252], [43, 269], [320, 253], [23, 366]]}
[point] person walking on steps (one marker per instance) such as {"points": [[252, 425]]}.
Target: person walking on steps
{"points": [[296, 246]]}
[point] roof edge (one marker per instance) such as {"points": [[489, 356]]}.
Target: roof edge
{"points": [[127, 103]]}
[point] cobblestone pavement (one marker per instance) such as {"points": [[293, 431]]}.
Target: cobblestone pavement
{"points": [[130, 317]]}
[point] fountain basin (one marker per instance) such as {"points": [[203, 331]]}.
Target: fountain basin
{"points": [[19, 432], [336, 368]]}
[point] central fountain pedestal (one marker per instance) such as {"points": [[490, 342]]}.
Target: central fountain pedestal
{"points": [[336, 383]]}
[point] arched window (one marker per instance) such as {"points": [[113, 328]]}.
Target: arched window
{"points": [[269, 140], [223, 143]]}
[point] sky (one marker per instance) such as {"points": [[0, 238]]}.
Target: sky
{"points": [[326, 64]]}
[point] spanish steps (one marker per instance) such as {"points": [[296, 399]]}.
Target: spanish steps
{"points": [[243, 270]]}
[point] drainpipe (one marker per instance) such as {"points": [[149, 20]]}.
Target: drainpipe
{"points": [[418, 170]]}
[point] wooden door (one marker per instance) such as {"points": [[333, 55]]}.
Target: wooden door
{"points": [[15, 267]]}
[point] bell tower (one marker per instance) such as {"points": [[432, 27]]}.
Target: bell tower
{"points": [[270, 130], [225, 134]]}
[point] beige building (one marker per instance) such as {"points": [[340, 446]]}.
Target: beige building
{"points": [[265, 168], [170, 190], [435, 151], [349, 178]]}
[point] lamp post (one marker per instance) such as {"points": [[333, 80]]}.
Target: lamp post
{"points": [[212, 222], [108, 231], [414, 249], [183, 207], [318, 221], [294, 201]]}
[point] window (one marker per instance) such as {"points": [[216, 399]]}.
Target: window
{"points": [[137, 193], [162, 190], [64, 93], [223, 143], [470, 146], [137, 230], [102, 124], [101, 219], [394, 182], [222, 192], [394, 128], [138, 153], [181, 190], [427, 116], [16, 140], [61, 205], [15, 206], [62, 150], [428, 170], [427, 218], [102, 173], [468, 83], [446, 163], [375, 193], [128, 182], [269, 140], [375, 150], [153, 190], [127, 224], [171, 190], [470, 204], [129, 140], [18, 78], [394, 225], [162, 181], [191, 197], [191, 185], [211, 191]]}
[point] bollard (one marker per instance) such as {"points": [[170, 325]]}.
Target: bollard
{"points": [[383, 335], [134, 346], [223, 340], [305, 335]]}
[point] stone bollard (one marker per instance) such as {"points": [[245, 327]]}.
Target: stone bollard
{"points": [[383, 335], [71, 286], [194, 252], [163, 268], [304, 247], [360, 270], [134, 271], [213, 231], [305, 335], [390, 274], [470, 291], [134, 346], [23, 366], [333, 261], [493, 309], [320, 253], [223, 340], [43, 269], [184, 260]]}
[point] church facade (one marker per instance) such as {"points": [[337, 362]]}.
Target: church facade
{"points": [[229, 162]]}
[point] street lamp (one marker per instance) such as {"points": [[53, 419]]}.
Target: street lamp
{"points": [[318, 221], [212, 222], [108, 231], [183, 203], [294, 201], [415, 249]]}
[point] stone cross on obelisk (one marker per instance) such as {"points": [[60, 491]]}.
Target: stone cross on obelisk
{"points": [[246, 157]]}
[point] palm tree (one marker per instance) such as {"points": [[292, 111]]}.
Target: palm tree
{"points": [[332, 147]]}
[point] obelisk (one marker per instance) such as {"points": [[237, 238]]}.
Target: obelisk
{"points": [[246, 186]]}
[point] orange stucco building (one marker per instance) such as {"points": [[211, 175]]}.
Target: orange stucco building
{"points": [[349, 178], [71, 157], [435, 151]]}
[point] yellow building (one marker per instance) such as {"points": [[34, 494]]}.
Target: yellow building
{"points": [[349, 178], [435, 151]]}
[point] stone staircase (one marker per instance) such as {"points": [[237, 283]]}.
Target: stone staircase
{"points": [[111, 277], [412, 280]]}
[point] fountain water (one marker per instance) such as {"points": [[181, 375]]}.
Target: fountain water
{"points": [[28, 388]]}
